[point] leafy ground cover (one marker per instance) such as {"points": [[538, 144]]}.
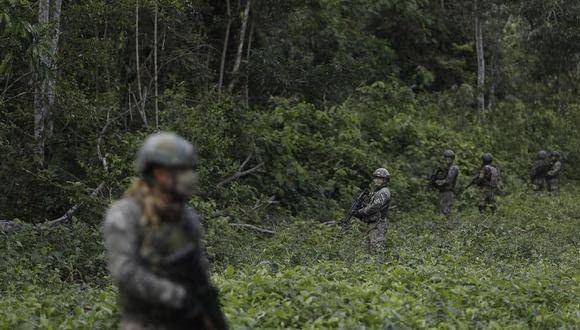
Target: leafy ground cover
{"points": [[518, 269]]}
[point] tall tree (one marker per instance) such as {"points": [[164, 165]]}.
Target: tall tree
{"points": [[49, 13], [242, 38], [477, 18]]}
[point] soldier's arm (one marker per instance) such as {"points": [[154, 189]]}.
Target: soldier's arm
{"points": [[376, 204], [122, 247], [555, 169], [451, 176], [194, 221]]}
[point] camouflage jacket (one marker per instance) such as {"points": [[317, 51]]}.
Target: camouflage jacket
{"points": [[161, 273], [447, 183], [555, 170], [378, 206], [489, 176], [539, 169]]}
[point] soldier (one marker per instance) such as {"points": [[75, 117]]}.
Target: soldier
{"points": [[375, 212], [539, 170], [154, 247], [553, 175], [487, 180], [445, 183]]}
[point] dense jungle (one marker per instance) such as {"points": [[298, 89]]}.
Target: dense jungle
{"points": [[291, 105]]}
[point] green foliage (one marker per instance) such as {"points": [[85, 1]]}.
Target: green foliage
{"points": [[517, 269]]}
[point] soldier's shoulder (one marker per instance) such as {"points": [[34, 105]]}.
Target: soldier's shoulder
{"points": [[123, 212], [385, 191]]}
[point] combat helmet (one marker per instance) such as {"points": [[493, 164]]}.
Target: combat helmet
{"points": [[165, 150], [542, 154], [382, 173], [449, 154], [555, 154], [487, 158]]}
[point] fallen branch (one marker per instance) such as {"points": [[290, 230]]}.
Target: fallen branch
{"points": [[241, 172], [68, 215], [252, 227], [260, 203], [8, 227]]}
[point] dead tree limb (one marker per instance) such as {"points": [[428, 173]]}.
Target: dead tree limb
{"points": [[241, 172], [68, 215]]}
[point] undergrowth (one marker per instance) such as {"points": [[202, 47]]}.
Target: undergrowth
{"points": [[517, 269]]}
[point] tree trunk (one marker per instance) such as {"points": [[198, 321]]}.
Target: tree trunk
{"points": [[494, 79], [140, 102], [239, 54], [156, 75], [480, 57], [55, 21], [45, 78], [226, 45], [248, 54]]}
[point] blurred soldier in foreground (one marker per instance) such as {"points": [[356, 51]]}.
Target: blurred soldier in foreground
{"points": [[154, 244], [444, 180], [539, 171], [487, 180], [553, 175], [375, 212]]}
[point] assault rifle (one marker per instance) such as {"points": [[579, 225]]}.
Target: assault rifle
{"points": [[435, 175], [356, 205], [473, 181]]}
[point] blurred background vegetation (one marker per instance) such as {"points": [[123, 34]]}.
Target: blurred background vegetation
{"points": [[316, 93]]}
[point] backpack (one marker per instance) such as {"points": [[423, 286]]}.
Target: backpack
{"points": [[491, 176]]}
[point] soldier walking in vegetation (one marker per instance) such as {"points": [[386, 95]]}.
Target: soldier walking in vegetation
{"points": [[375, 212], [444, 181], [553, 175], [539, 171], [487, 180], [154, 244]]}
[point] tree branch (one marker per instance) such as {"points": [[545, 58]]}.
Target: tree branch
{"points": [[241, 172], [68, 215]]}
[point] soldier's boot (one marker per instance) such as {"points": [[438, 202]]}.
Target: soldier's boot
{"points": [[481, 209], [493, 209]]}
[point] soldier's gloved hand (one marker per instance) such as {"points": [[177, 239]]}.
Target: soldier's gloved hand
{"points": [[357, 213]]}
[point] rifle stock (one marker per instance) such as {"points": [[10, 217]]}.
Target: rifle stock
{"points": [[356, 204]]}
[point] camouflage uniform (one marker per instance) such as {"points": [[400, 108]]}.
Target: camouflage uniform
{"points": [[539, 171], [487, 180], [160, 270], [375, 212], [553, 175], [446, 184]]}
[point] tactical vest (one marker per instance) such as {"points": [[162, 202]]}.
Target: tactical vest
{"points": [[491, 176]]}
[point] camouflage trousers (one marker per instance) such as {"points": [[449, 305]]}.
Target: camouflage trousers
{"points": [[446, 199], [377, 236], [538, 184], [553, 184], [487, 198], [136, 325]]}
